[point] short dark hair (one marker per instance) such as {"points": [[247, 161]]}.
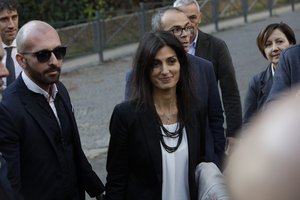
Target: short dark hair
{"points": [[143, 64], [8, 4], [266, 32]]}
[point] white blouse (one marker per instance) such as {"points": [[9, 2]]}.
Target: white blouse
{"points": [[175, 168]]}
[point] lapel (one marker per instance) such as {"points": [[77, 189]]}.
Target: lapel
{"points": [[266, 81], [65, 100], [202, 44], [195, 132], [152, 131], [34, 108], [63, 95]]}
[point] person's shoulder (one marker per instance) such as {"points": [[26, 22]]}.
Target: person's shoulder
{"points": [[198, 60], [256, 79], [262, 75], [125, 107], [213, 39], [260, 79], [201, 66], [11, 89], [126, 111], [293, 50], [10, 95], [62, 89], [60, 86]]}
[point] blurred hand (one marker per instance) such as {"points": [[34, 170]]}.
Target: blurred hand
{"points": [[231, 142]]}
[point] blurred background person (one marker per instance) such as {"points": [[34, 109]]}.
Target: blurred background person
{"points": [[6, 192], [287, 75], [215, 50], [265, 164], [3, 71], [271, 41], [158, 137], [9, 22], [210, 182]]}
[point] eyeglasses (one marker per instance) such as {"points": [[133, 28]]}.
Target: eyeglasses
{"points": [[178, 30], [44, 55]]}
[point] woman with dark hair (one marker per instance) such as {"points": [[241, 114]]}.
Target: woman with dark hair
{"points": [[271, 41], [157, 137]]}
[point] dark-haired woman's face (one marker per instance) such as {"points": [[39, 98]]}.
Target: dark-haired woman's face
{"points": [[166, 70], [274, 45]]}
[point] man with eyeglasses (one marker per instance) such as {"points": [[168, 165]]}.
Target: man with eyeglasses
{"points": [[175, 21], [9, 22], [215, 50], [38, 133]]}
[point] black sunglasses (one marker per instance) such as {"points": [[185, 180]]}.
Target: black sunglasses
{"points": [[44, 55]]}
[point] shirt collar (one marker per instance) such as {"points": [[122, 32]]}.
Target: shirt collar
{"points": [[35, 88], [14, 44], [272, 69], [195, 39], [192, 46]]}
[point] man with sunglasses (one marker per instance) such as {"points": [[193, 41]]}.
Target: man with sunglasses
{"points": [[9, 22], [175, 21], [38, 133]]}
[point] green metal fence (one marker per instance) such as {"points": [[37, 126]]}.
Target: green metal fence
{"points": [[103, 32]]}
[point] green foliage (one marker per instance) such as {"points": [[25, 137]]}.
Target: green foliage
{"points": [[51, 11], [62, 12]]}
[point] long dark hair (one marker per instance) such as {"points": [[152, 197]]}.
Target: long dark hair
{"points": [[142, 89]]}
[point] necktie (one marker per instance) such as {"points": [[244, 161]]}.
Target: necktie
{"points": [[10, 66]]}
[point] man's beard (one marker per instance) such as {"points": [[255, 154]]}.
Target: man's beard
{"points": [[40, 77]]}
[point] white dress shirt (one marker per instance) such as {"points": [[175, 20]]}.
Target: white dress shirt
{"points": [[175, 168], [35, 88], [192, 46]]}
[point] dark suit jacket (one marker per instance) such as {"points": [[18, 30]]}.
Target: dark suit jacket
{"points": [[134, 160], [287, 71], [31, 151], [206, 88], [6, 192], [258, 91], [216, 51]]}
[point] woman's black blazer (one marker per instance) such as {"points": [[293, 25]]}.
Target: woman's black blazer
{"points": [[134, 162]]}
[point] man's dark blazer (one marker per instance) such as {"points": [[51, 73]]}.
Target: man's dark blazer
{"points": [[206, 88], [287, 71], [216, 51], [31, 151], [134, 160], [6, 191], [258, 91]]}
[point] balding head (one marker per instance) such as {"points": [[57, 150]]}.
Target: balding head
{"points": [[33, 30], [266, 164], [40, 53], [166, 17], [170, 19]]}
